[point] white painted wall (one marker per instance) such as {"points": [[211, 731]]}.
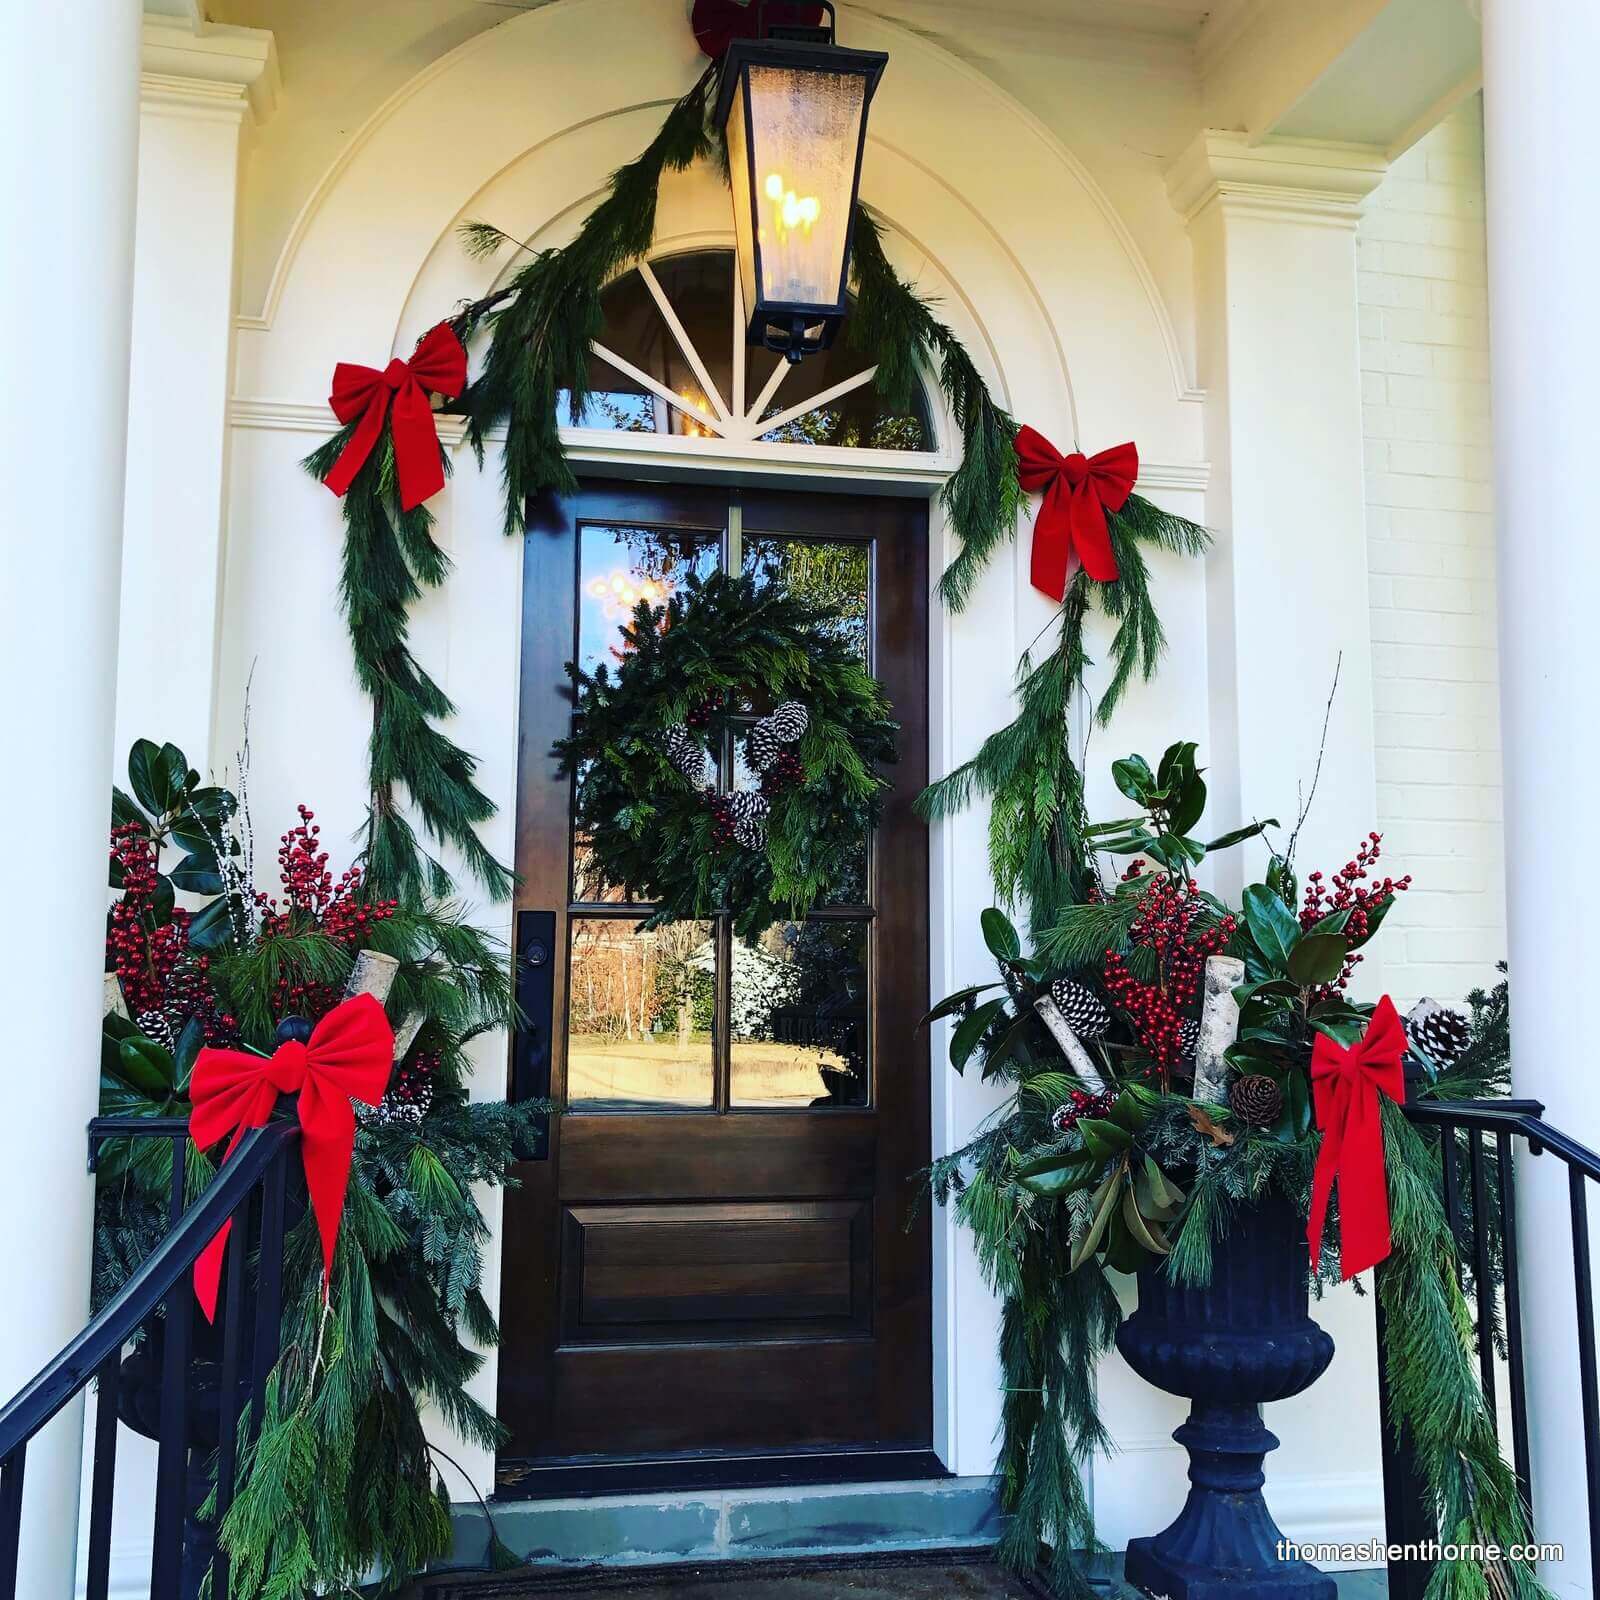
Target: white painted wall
{"points": [[1430, 546]]}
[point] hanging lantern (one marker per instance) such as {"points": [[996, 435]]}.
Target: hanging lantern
{"points": [[793, 108]]}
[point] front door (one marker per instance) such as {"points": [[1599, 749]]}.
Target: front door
{"points": [[713, 1273]]}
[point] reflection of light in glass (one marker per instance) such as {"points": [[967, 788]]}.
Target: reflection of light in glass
{"points": [[790, 210], [690, 426], [621, 590]]}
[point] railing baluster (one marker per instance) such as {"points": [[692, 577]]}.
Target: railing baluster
{"points": [[101, 1490], [172, 1459], [238, 1266], [179, 1186], [1522, 1454], [1452, 1197], [269, 1287], [1408, 1513], [11, 1519], [1583, 1283], [1483, 1274]]}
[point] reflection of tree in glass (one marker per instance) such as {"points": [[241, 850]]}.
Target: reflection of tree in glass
{"points": [[616, 412], [832, 576], [632, 986], [839, 425]]}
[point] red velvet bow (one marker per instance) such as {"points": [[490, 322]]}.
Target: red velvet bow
{"points": [[438, 363], [1345, 1085], [1078, 491], [348, 1057], [717, 23]]}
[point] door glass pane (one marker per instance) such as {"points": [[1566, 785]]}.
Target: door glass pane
{"points": [[641, 1013], [620, 566], [800, 1021], [833, 574]]}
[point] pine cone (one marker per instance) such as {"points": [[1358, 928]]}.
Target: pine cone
{"points": [[1444, 1034], [1188, 1038], [749, 814], [789, 721], [761, 746], [1084, 1010], [686, 753], [1257, 1100]]}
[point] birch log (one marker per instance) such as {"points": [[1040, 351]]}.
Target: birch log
{"points": [[113, 1001], [406, 1034], [1071, 1046], [1219, 1027], [373, 973]]}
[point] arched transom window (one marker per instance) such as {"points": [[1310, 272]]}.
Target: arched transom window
{"points": [[672, 359]]}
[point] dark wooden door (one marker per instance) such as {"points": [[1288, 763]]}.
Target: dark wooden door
{"points": [[710, 1273]]}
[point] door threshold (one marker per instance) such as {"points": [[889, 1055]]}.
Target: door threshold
{"points": [[581, 1477]]}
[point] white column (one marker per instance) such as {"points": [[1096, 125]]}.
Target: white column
{"points": [[1273, 227], [68, 136], [1542, 129], [200, 94]]}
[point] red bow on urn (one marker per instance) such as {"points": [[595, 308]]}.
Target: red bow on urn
{"points": [[348, 1057], [1078, 490], [1346, 1081], [717, 23], [364, 395]]}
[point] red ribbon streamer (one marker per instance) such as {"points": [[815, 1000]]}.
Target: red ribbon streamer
{"points": [[1078, 491], [1345, 1085], [348, 1057], [717, 23], [438, 363]]}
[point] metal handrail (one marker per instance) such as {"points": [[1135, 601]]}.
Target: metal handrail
{"points": [[1491, 1125], [133, 1304]]}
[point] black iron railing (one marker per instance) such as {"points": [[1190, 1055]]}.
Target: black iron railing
{"points": [[158, 1301], [1476, 1140]]}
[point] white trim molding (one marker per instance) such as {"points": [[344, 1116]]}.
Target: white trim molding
{"points": [[216, 71], [1300, 180]]}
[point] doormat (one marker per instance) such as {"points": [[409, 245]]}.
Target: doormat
{"points": [[911, 1575]]}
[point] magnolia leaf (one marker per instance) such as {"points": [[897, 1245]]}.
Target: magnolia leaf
{"points": [[1106, 1139], [998, 933], [1318, 958], [1239, 835], [1132, 775], [1272, 925], [966, 1038], [954, 1002], [1201, 1118], [1105, 1202], [1149, 1239]]}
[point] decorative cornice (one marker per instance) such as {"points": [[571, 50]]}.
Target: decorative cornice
{"points": [[1295, 180], [221, 72]]}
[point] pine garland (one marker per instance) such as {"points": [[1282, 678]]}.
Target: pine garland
{"points": [[1026, 770]]}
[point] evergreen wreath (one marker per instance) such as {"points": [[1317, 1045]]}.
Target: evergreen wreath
{"points": [[646, 737]]}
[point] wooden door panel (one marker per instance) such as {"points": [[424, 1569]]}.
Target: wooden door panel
{"points": [[679, 1282]]}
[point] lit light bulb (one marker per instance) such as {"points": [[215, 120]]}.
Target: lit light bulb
{"points": [[793, 211]]}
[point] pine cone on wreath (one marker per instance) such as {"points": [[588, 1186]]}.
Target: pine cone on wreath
{"points": [[1085, 1012], [1444, 1034], [685, 753], [1257, 1100], [749, 816], [761, 746], [789, 722]]}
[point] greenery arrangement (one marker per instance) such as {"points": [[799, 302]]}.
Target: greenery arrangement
{"points": [[647, 740], [1103, 1158], [339, 1482]]}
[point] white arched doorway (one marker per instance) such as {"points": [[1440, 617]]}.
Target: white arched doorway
{"points": [[1030, 265]]}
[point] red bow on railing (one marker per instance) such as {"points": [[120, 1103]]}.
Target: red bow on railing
{"points": [[717, 23], [1345, 1084], [1078, 491], [438, 363], [348, 1057]]}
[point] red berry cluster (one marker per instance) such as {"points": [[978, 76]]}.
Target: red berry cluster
{"points": [[699, 716], [1168, 923], [1080, 1103], [721, 819], [411, 1084], [787, 771], [1349, 890], [144, 957], [312, 895]]}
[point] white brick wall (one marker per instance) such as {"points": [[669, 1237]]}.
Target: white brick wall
{"points": [[1430, 549]]}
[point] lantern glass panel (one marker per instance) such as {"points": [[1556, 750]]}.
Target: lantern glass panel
{"points": [[805, 129]]}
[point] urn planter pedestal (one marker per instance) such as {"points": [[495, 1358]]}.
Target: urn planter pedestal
{"points": [[1247, 1337]]}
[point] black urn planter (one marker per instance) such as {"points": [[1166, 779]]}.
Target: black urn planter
{"points": [[1244, 1339]]}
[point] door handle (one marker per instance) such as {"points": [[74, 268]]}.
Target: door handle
{"points": [[535, 1036]]}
